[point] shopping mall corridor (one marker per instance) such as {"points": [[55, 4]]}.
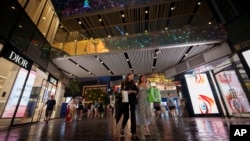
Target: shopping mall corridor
{"points": [[162, 128]]}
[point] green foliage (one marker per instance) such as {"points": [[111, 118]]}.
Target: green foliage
{"points": [[97, 95], [73, 87]]}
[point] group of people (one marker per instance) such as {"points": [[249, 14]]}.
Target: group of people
{"points": [[75, 108], [95, 109], [138, 106]]}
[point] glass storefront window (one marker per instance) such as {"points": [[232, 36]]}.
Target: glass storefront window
{"points": [[34, 9], [11, 11], [23, 33], [46, 17], [7, 77]]}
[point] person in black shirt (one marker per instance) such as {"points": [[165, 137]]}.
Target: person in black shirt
{"points": [[50, 107], [80, 109], [130, 86]]}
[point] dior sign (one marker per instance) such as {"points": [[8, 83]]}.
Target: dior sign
{"points": [[12, 54], [52, 80], [18, 59]]}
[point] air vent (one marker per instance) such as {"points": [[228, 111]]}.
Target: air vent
{"points": [[181, 67], [198, 60]]}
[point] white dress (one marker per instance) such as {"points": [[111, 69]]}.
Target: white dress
{"points": [[143, 109]]}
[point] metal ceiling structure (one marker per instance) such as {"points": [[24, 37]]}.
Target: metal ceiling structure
{"points": [[112, 22]]}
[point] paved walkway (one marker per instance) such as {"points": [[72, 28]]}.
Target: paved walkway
{"points": [[104, 129]]}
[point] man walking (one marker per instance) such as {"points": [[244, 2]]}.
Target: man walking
{"points": [[50, 107]]}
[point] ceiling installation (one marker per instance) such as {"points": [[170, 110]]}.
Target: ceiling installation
{"points": [[140, 37]]}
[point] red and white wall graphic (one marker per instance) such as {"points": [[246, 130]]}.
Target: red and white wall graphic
{"points": [[201, 94]]}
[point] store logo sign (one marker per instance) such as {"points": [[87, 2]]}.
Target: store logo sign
{"points": [[202, 69], [18, 59], [53, 81]]}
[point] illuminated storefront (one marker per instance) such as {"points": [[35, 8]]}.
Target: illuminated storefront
{"points": [[218, 88], [24, 89]]}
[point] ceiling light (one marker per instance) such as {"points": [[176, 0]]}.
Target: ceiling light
{"points": [[61, 26], [13, 7], [127, 60], [123, 15], [100, 20], [209, 22], [166, 28], [20, 26], [44, 18], [172, 8], [199, 3], [79, 22], [126, 33], [146, 11], [109, 36]]}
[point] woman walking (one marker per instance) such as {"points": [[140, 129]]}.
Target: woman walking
{"points": [[129, 86], [144, 112]]}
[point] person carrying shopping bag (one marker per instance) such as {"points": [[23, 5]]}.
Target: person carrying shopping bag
{"points": [[131, 89]]}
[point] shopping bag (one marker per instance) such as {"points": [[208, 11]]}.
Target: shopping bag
{"points": [[154, 95], [124, 96]]}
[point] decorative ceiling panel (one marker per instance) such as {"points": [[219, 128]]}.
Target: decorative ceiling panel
{"points": [[197, 49], [141, 61], [174, 27], [169, 57], [91, 63], [116, 63]]}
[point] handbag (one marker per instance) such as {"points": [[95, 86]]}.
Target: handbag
{"points": [[154, 95], [124, 96]]}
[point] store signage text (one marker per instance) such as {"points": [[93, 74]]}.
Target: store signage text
{"points": [[52, 80], [18, 59], [202, 69]]}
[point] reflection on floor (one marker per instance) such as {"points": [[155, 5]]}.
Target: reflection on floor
{"points": [[162, 128]]}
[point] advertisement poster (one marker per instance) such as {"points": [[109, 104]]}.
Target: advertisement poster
{"points": [[201, 94], [246, 55], [22, 108], [232, 92], [15, 94]]}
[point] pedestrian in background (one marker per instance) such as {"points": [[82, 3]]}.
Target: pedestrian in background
{"points": [[171, 105], [71, 110], [50, 107], [80, 108]]}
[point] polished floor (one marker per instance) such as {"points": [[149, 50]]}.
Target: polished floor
{"points": [[162, 128]]}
